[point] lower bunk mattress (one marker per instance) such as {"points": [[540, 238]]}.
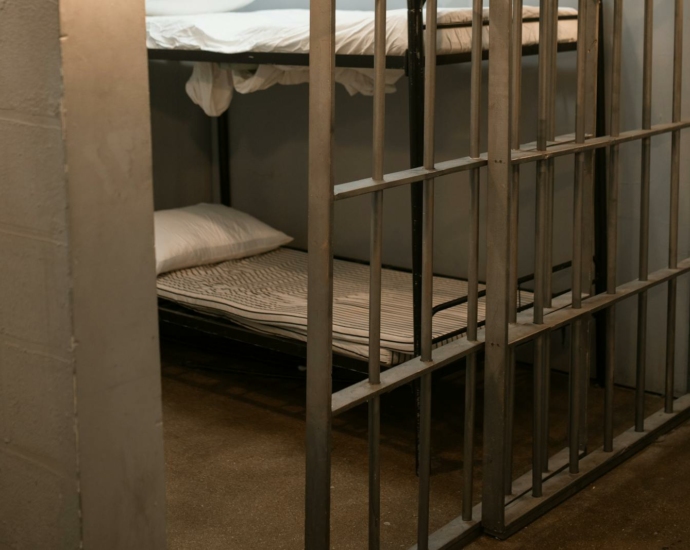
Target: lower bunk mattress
{"points": [[268, 294]]}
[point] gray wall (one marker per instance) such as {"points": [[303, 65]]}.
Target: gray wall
{"points": [[269, 171], [81, 463]]}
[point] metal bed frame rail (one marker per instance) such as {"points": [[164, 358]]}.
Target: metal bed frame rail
{"points": [[506, 505]]}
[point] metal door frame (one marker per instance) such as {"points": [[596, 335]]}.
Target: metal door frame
{"points": [[506, 505]]}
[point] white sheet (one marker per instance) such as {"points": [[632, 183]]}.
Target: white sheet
{"points": [[287, 31]]}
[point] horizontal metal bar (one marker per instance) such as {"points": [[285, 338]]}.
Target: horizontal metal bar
{"points": [[562, 315], [562, 146], [524, 510], [404, 177], [302, 59], [559, 316], [272, 58], [529, 50], [525, 155], [457, 533], [395, 377]]}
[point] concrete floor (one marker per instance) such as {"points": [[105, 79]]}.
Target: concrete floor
{"points": [[235, 463]]}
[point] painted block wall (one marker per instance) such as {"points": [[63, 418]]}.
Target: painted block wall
{"points": [[81, 456]]}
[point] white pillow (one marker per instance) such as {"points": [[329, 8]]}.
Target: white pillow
{"points": [[210, 233], [188, 7]]}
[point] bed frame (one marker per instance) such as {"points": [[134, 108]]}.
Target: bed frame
{"points": [[173, 317]]}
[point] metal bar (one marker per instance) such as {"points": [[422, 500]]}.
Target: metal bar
{"points": [[223, 129], [473, 268], [576, 343], [375, 286], [612, 221], [424, 463], [558, 488], [537, 415], [427, 278], [429, 154], [551, 53], [542, 273], [468, 441], [320, 270], [563, 147], [341, 60], [601, 180], [375, 473], [644, 214], [415, 79], [675, 192], [520, 333], [510, 422], [498, 256], [545, 426], [516, 97]]}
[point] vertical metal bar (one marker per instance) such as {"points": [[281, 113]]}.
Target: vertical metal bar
{"points": [[612, 222], [429, 154], [601, 187], [541, 361], [644, 215], [374, 474], [415, 81], [551, 52], [320, 270], [223, 129], [427, 277], [588, 265], [675, 191], [576, 344], [473, 271], [516, 86], [468, 443], [375, 277], [498, 256], [537, 417], [424, 464]]}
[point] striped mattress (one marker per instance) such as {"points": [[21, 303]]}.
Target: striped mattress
{"points": [[268, 294]]}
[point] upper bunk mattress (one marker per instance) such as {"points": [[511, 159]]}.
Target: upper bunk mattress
{"points": [[211, 86], [287, 31], [268, 293]]}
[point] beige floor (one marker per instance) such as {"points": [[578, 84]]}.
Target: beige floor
{"points": [[235, 464]]}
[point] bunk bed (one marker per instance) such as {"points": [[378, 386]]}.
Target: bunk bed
{"points": [[192, 299]]}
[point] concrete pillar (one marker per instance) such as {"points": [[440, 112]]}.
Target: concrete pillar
{"points": [[81, 453]]}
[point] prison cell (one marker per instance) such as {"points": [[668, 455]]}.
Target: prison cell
{"points": [[507, 504]]}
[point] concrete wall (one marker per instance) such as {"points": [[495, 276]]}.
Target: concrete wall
{"points": [[269, 171], [81, 462]]}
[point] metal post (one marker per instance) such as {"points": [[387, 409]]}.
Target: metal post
{"points": [[675, 192], [644, 215], [427, 277], [375, 277], [320, 286], [612, 222], [516, 85], [541, 360], [473, 271], [415, 80], [580, 158], [223, 129], [498, 257]]}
